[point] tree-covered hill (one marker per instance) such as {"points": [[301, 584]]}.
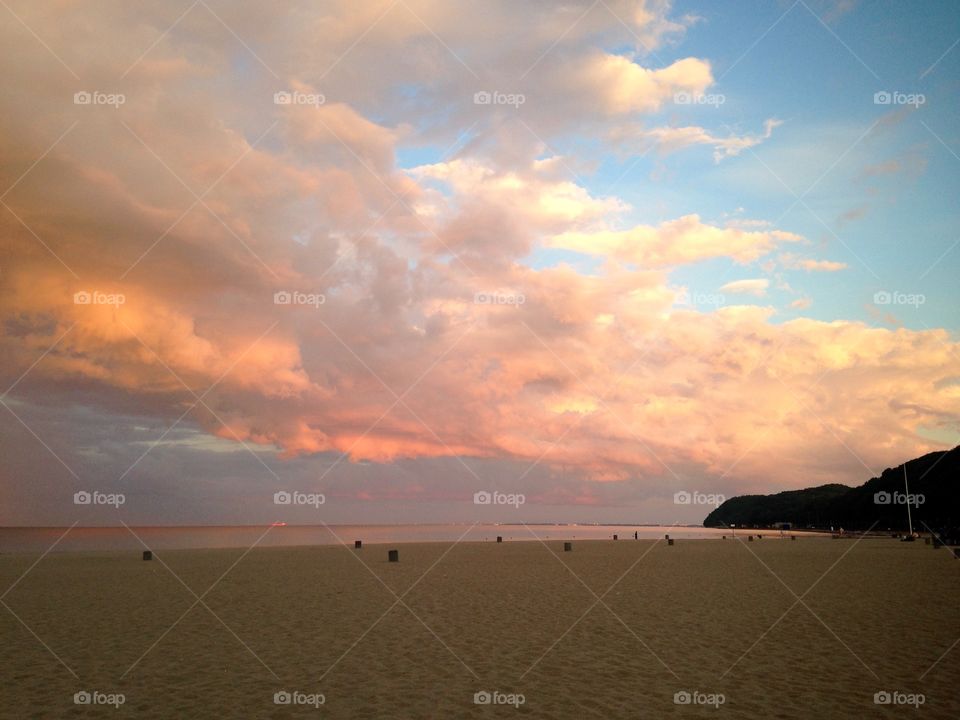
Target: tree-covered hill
{"points": [[879, 503]]}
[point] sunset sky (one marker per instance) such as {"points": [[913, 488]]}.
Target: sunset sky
{"points": [[591, 252]]}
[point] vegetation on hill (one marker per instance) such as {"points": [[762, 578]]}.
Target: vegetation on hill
{"points": [[879, 503]]}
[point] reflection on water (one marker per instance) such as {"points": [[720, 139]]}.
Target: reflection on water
{"points": [[160, 538]]}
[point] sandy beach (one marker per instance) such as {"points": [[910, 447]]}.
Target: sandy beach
{"points": [[609, 630], [672, 282]]}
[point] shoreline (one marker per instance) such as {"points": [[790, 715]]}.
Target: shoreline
{"points": [[133, 542]]}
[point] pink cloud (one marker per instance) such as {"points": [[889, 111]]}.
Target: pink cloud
{"points": [[594, 372]]}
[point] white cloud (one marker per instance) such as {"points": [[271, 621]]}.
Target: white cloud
{"points": [[756, 287], [684, 240], [789, 260], [672, 139]]}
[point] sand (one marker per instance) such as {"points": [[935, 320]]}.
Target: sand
{"points": [[700, 616]]}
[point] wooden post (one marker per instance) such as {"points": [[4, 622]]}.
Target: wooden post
{"points": [[148, 555], [666, 537], [499, 538], [614, 537], [393, 555], [669, 542], [724, 537], [793, 537], [567, 547], [357, 544], [749, 538]]}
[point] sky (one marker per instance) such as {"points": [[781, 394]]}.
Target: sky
{"points": [[594, 259]]}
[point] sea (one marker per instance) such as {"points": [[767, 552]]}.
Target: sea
{"points": [[123, 538]]}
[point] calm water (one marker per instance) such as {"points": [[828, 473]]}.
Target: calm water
{"points": [[82, 539]]}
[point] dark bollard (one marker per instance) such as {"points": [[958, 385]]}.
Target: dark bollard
{"points": [[669, 542], [147, 555], [666, 537], [937, 542], [749, 538], [614, 537], [926, 541], [393, 555], [357, 544], [724, 537], [499, 538], [567, 547], [793, 537]]}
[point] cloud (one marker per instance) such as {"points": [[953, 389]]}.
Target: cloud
{"points": [[853, 214], [888, 167], [822, 265], [431, 333], [911, 162], [684, 240], [833, 10], [621, 86], [672, 139], [756, 287], [789, 260], [475, 201]]}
